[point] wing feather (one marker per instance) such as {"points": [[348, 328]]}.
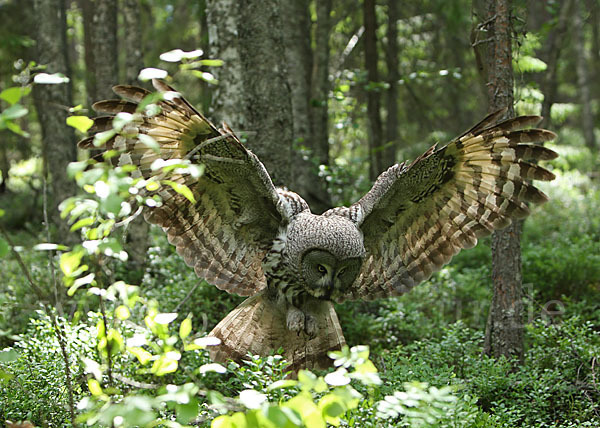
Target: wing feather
{"points": [[417, 217], [226, 233]]}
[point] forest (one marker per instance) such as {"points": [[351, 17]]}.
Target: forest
{"points": [[108, 321]]}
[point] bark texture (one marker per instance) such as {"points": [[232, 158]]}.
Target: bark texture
{"points": [[227, 99], [299, 60], [132, 41], [266, 95], [52, 103], [137, 240], [392, 60], [104, 45], [583, 78], [504, 332], [373, 95]]}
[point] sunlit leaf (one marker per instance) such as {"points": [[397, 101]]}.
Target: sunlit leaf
{"points": [[185, 328], [81, 123], [252, 399], [122, 312], [152, 73], [177, 55], [94, 387], [141, 354], [50, 79], [182, 189], [165, 318], [70, 261], [12, 95], [211, 367]]}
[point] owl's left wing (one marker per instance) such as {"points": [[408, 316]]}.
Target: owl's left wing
{"points": [[418, 216], [226, 223]]}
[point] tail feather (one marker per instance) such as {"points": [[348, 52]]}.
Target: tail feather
{"points": [[258, 326]]}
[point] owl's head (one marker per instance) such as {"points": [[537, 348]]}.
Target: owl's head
{"points": [[326, 251], [325, 275]]}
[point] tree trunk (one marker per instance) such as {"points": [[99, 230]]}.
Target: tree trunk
{"points": [[227, 99], [504, 332], [100, 44], [583, 80], [376, 150], [267, 105], [554, 48], [137, 240], [132, 42], [52, 103], [392, 78], [309, 152]]}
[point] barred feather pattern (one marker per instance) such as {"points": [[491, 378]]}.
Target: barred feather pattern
{"points": [[418, 216], [226, 234]]}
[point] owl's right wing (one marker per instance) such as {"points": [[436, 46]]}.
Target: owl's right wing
{"points": [[229, 224], [418, 216]]}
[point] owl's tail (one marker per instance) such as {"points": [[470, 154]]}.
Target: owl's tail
{"points": [[258, 326]]}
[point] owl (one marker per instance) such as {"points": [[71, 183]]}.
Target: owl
{"points": [[246, 236]]}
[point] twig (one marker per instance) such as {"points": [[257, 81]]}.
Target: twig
{"points": [[108, 357], [38, 291], [57, 302]]}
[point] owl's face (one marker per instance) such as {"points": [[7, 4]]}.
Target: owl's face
{"points": [[325, 276]]}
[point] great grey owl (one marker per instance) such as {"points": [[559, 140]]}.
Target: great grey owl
{"points": [[248, 237]]}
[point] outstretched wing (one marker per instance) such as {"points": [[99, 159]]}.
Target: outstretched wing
{"points": [[418, 216], [225, 234]]}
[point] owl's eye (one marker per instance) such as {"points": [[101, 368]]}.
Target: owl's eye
{"points": [[321, 269], [341, 271]]}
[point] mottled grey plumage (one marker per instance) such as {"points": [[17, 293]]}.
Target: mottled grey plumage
{"points": [[248, 237]]}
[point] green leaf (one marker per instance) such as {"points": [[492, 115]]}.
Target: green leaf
{"points": [[212, 62], [185, 328], [94, 387], [75, 167], [283, 383], [141, 354], [187, 412], [4, 248], [81, 123], [12, 95], [69, 262], [182, 189], [14, 112], [8, 355], [87, 221], [15, 128], [164, 365], [122, 312]]}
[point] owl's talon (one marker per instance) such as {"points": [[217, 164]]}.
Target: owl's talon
{"points": [[295, 320], [310, 326]]}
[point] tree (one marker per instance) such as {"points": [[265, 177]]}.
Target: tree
{"points": [[504, 331], [304, 74], [393, 76], [137, 241], [583, 80], [253, 94], [377, 161], [132, 41], [52, 103]]}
